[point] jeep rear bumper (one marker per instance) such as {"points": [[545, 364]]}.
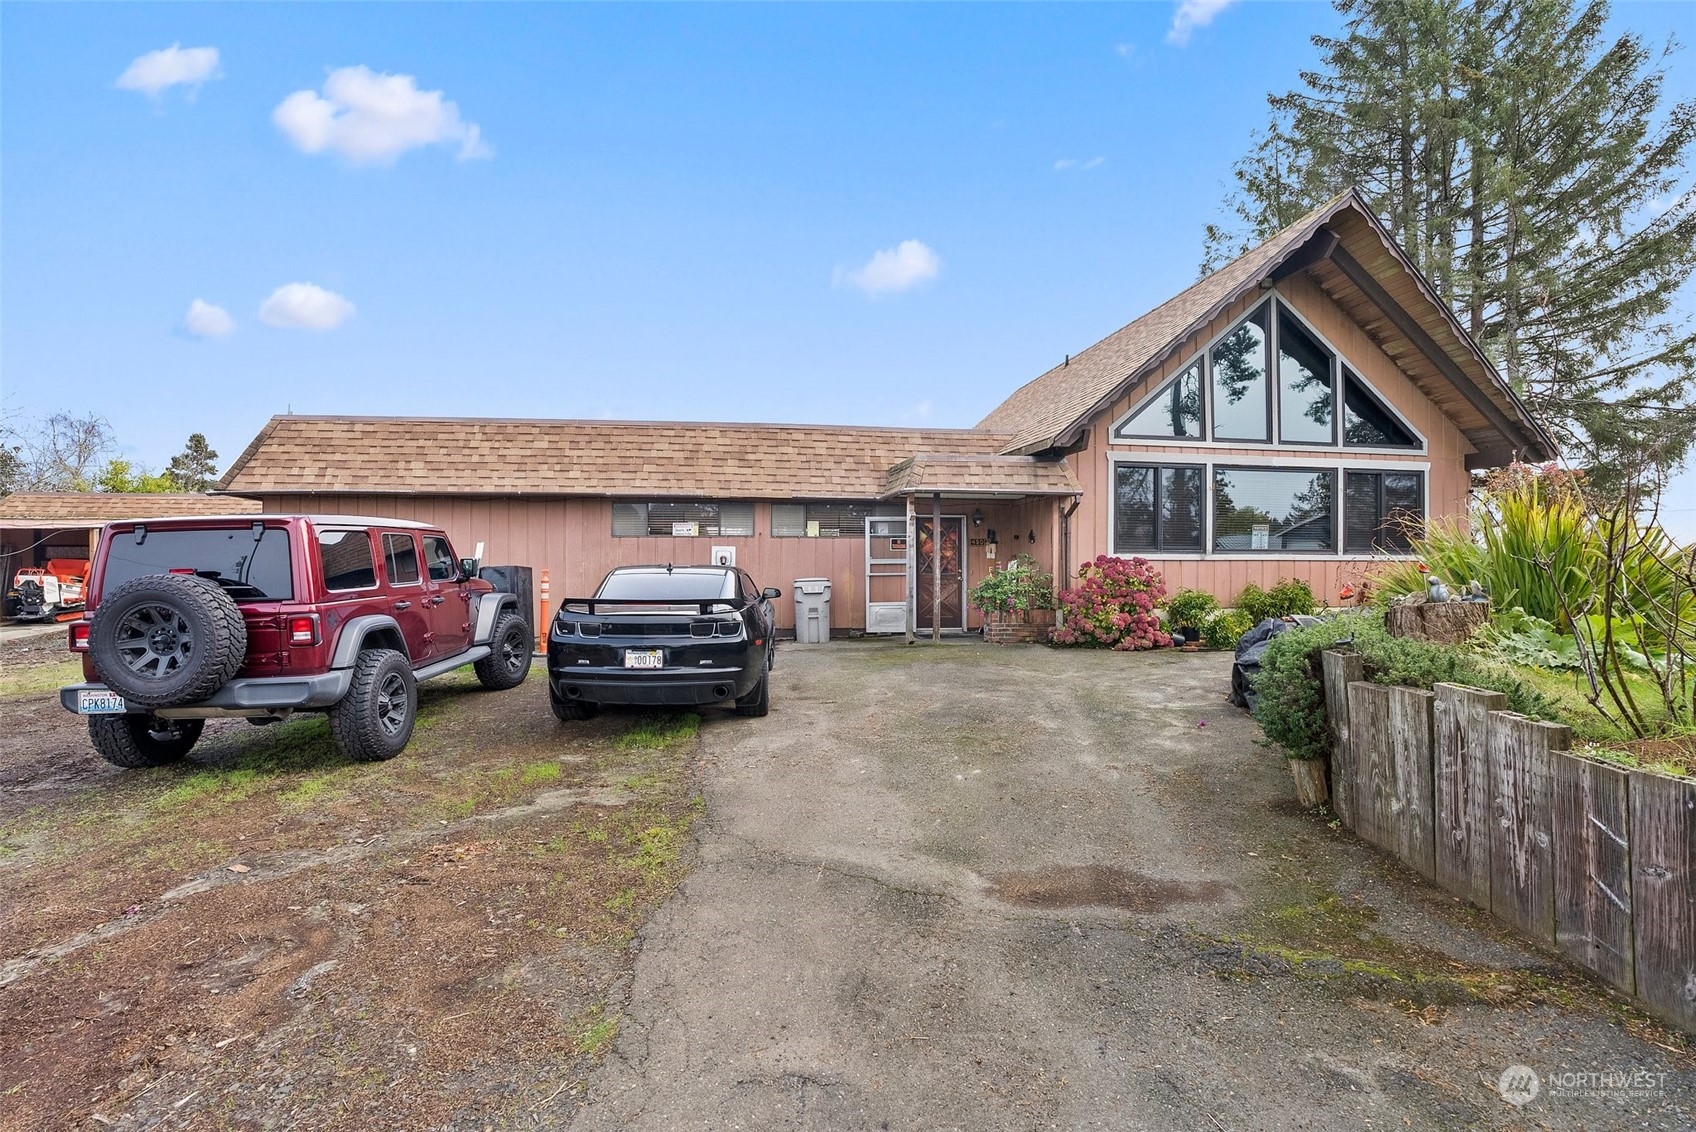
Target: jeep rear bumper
{"points": [[243, 697]]}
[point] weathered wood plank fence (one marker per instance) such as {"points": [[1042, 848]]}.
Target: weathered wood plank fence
{"points": [[1593, 860]]}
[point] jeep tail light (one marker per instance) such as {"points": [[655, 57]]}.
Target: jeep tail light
{"points": [[79, 636], [303, 630]]}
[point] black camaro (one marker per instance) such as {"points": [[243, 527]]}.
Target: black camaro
{"points": [[663, 635]]}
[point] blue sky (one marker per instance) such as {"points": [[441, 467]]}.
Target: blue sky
{"points": [[860, 214]]}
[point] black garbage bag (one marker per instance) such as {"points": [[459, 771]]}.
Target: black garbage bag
{"points": [[1250, 648]]}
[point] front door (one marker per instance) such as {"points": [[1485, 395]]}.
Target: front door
{"points": [[446, 599], [948, 552]]}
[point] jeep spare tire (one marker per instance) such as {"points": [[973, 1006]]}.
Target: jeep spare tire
{"points": [[161, 640]]}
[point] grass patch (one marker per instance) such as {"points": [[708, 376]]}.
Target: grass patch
{"points": [[598, 1036], [33, 679], [658, 731], [539, 772]]}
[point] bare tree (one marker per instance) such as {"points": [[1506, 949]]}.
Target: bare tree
{"points": [[61, 453]]}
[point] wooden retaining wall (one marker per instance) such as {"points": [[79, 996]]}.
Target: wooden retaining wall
{"points": [[1592, 860]]}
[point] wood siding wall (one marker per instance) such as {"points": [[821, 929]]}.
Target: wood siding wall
{"points": [[1446, 451], [572, 539]]}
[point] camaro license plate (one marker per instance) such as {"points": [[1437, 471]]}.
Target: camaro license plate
{"points": [[100, 703], [644, 658]]}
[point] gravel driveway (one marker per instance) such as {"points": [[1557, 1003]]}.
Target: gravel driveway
{"points": [[966, 887]]}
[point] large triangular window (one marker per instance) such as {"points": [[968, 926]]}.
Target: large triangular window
{"points": [[1171, 414], [1368, 422]]}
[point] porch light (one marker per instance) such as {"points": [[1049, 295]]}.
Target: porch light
{"points": [[977, 516]]}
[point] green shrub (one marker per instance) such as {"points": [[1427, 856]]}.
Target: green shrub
{"points": [[1289, 598], [1291, 689], [1190, 609], [1225, 628]]}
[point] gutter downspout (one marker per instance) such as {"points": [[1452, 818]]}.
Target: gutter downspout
{"points": [[1066, 540]]}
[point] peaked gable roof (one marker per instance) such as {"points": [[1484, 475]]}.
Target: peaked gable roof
{"points": [[1354, 259]]}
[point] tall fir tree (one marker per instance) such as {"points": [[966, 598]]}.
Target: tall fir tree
{"points": [[1528, 166], [195, 468]]}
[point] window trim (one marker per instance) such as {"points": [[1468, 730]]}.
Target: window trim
{"points": [[1424, 505], [1159, 526], [649, 501], [1270, 305], [1203, 354], [869, 509], [1344, 463], [1337, 475], [1199, 364]]}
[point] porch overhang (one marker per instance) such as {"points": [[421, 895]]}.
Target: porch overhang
{"points": [[953, 476]]}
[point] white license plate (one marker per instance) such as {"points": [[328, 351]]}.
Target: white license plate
{"points": [[644, 658], [100, 703]]}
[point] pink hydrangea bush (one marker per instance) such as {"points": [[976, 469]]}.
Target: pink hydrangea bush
{"points": [[1113, 606]]}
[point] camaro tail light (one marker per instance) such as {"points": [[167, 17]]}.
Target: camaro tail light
{"points": [[303, 630], [729, 628], [701, 629], [565, 629], [590, 628], [79, 636]]}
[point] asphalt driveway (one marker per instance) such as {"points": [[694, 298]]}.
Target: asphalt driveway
{"points": [[965, 887]]}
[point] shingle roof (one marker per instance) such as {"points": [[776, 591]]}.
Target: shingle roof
{"points": [[94, 508], [981, 475], [1043, 413], [605, 458]]}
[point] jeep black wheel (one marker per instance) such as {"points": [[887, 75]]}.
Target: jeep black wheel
{"points": [[166, 639], [571, 711], [509, 663], [757, 702], [374, 720], [137, 741]]}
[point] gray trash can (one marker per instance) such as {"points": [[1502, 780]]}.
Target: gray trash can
{"points": [[812, 610]]}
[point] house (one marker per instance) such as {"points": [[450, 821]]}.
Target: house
{"points": [[1288, 416]]}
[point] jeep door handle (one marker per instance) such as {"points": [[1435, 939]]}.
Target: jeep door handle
{"points": [[403, 605], [437, 600]]}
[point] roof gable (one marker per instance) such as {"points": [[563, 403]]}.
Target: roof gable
{"points": [[1355, 261]]}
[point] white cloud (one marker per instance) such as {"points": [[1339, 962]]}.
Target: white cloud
{"points": [[1192, 14], [170, 66], [304, 306], [1066, 163], [894, 269], [372, 119], [208, 320], [1125, 50]]}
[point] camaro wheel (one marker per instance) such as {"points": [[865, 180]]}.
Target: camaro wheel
{"points": [[571, 711], [509, 663], [374, 720], [137, 741], [757, 702], [166, 639]]}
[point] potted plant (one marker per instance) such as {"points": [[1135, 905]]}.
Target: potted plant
{"points": [[1017, 602], [1188, 612]]}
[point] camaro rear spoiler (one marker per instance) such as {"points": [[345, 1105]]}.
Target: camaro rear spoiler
{"points": [[591, 606]]}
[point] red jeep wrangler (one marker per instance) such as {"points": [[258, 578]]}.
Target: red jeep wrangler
{"points": [[263, 616]]}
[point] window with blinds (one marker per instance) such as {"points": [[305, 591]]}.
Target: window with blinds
{"points": [[1156, 508], [689, 519], [1382, 511], [818, 520]]}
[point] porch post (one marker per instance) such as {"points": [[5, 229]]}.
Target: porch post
{"points": [[936, 566], [911, 576]]}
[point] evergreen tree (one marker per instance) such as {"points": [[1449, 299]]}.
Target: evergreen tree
{"points": [[1528, 167], [195, 468]]}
